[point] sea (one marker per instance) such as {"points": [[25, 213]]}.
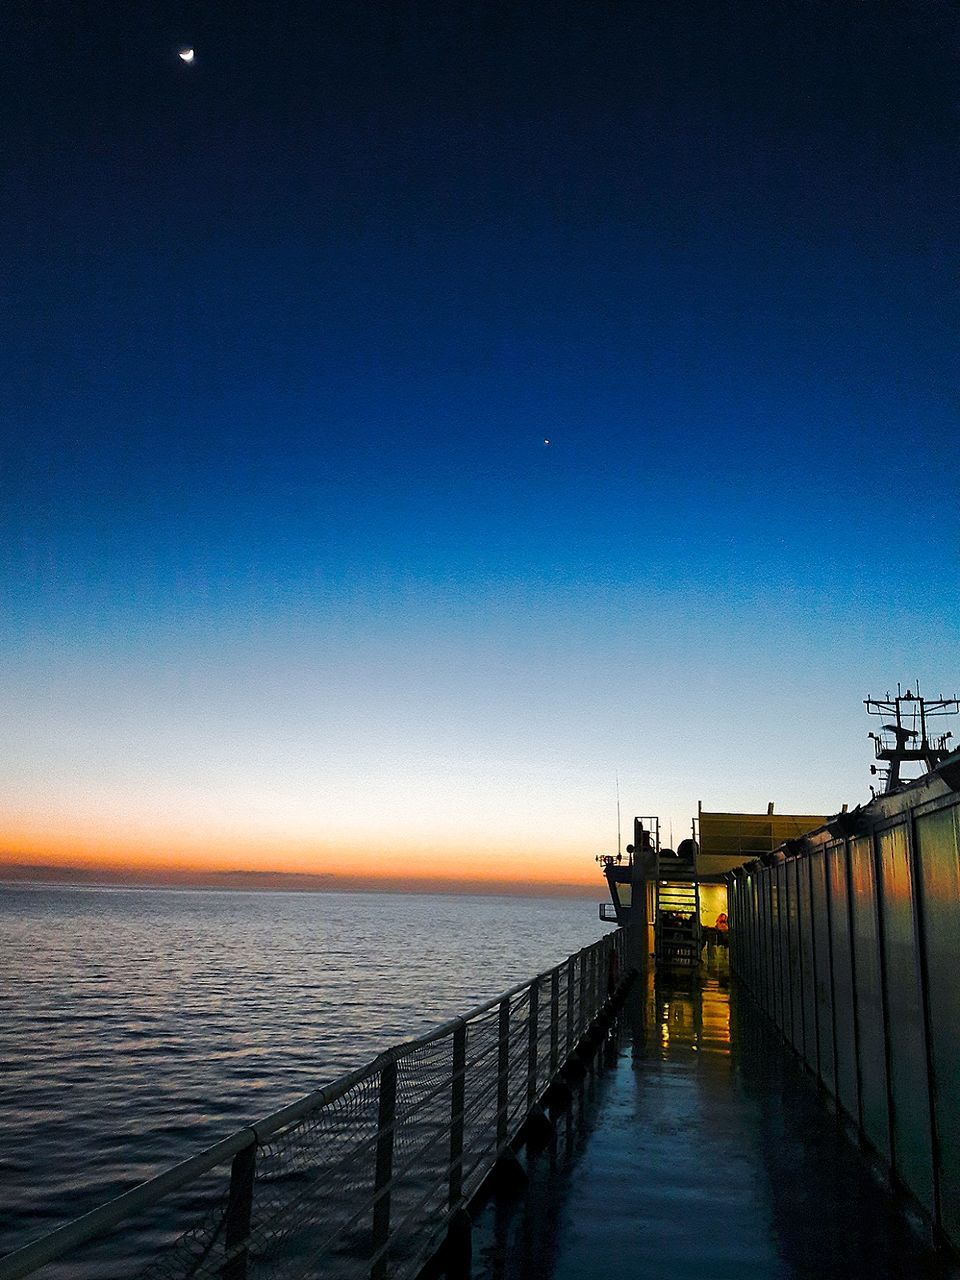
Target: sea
{"points": [[138, 1026]]}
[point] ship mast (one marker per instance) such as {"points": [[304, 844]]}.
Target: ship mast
{"points": [[905, 738]]}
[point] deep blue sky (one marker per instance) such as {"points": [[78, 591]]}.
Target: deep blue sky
{"points": [[284, 332]]}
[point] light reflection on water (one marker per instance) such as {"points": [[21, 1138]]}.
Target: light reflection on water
{"points": [[138, 1026]]}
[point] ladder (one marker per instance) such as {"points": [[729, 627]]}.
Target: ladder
{"points": [[678, 912]]}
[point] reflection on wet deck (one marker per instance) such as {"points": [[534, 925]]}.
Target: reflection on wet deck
{"points": [[701, 1150]]}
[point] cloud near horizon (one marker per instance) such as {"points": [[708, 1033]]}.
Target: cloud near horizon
{"points": [[90, 875]]}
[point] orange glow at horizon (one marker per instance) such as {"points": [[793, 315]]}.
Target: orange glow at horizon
{"points": [[400, 859]]}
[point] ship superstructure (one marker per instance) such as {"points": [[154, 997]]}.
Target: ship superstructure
{"points": [[679, 897]]}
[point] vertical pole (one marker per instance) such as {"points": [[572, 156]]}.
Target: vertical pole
{"points": [[814, 974], [554, 1022], [923, 973], [828, 892], [568, 1039], [880, 890], [854, 984], [532, 1012], [503, 1071], [746, 929], [582, 1011], [761, 941], [239, 1213], [802, 927], [638, 922], [384, 1169], [786, 900], [771, 968], [457, 1096], [779, 924]]}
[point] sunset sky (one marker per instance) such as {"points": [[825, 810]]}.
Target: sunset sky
{"points": [[292, 579]]}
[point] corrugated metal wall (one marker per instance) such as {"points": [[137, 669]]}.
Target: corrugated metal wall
{"points": [[852, 946]]}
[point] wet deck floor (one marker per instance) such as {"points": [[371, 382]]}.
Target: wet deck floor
{"points": [[703, 1149]]}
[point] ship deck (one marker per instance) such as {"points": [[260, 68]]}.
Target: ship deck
{"points": [[701, 1149]]}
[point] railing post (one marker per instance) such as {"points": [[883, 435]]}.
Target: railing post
{"points": [[582, 1012], [532, 1014], [457, 1095], [571, 967], [503, 1072], [384, 1169], [554, 1022], [239, 1213]]}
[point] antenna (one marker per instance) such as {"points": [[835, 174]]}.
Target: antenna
{"points": [[619, 845], [906, 737]]}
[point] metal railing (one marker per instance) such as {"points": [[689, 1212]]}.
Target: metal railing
{"points": [[364, 1176]]}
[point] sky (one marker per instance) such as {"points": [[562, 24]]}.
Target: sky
{"points": [[418, 416]]}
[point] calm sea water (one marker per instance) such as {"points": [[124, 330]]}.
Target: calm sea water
{"points": [[139, 1026]]}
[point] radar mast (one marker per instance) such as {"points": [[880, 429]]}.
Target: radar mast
{"points": [[906, 736]]}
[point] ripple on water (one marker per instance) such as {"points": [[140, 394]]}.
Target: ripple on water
{"points": [[142, 1025]]}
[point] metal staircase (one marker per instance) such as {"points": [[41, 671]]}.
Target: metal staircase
{"points": [[678, 908]]}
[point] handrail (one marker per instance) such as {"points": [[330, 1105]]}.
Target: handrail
{"points": [[98, 1221], [511, 1049]]}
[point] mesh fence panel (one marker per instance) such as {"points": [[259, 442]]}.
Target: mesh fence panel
{"points": [[544, 1037], [480, 1100], [199, 1250], [313, 1188], [519, 1061]]}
